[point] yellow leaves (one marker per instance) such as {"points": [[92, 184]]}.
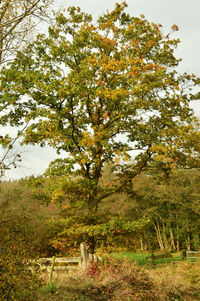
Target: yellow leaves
{"points": [[117, 159], [176, 87], [164, 153], [139, 60], [175, 27], [121, 155], [108, 25], [112, 95], [110, 64], [90, 27], [83, 161], [169, 159], [105, 115], [135, 71], [60, 244], [157, 148], [152, 67], [150, 43], [92, 60], [88, 141], [67, 206], [57, 195], [59, 72], [107, 43], [126, 157]]}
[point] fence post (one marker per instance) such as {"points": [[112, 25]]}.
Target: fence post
{"points": [[184, 254], [84, 254], [91, 257], [95, 257], [153, 260], [52, 268]]}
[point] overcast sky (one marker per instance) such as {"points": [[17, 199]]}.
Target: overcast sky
{"points": [[183, 13]]}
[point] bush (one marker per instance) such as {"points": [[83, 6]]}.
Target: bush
{"points": [[123, 280], [50, 288], [19, 278]]}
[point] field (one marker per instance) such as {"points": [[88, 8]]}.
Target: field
{"points": [[140, 258], [124, 277]]}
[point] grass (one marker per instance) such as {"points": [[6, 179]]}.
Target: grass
{"points": [[182, 278], [140, 258], [73, 290]]}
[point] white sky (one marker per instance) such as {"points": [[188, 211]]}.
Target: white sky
{"points": [[183, 13]]}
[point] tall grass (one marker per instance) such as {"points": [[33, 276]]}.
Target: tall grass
{"points": [[122, 280]]}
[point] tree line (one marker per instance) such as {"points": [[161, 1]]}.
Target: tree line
{"points": [[152, 214]]}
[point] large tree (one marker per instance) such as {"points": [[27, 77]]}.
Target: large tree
{"points": [[97, 90]]}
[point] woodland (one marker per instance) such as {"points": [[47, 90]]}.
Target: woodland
{"points": [[106, 94]]}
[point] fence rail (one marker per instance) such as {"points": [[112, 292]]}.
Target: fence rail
{"points": [[193, 254], [61, 260]]}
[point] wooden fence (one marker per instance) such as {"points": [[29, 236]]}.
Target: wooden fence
{"points": [[153, 257], [81, 263], [193, 255], [67, 264]]}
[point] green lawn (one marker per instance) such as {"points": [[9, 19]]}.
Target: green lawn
{"points": [[140, 258]]}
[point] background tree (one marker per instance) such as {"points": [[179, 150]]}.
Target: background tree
{"points": [[18, 19], [172, 206], [18, 22], [88, 84]]}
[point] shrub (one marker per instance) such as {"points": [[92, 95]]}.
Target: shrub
{"points": [[122, 280], [19, 278], [50, 288]]}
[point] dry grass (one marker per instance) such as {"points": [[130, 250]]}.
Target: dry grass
{"points": [[180, 278], [121, 280]]}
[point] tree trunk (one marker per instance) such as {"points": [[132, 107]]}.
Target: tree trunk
{"points": [[91, 244], [188, 243], [177, 245], [159, 237], [141, 243], [177, 239], [1, 46], [173, 247], [145, 245], [166, 245]]}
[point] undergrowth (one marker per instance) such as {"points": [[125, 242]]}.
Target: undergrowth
{"points": [[123, 280]]}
